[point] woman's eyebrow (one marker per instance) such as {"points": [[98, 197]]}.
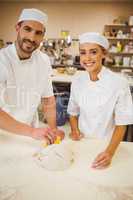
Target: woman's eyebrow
{"points": [[88, 50]]}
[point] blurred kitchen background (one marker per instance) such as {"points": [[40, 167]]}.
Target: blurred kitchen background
{"points": [[67, 19]]}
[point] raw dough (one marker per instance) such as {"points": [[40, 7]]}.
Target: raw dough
{"points": [[56, 156]]}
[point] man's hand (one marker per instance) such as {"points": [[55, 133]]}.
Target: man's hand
{"points": [[76, 135], [43, 134], [102, 161]]}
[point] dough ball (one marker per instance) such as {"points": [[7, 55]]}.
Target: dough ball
{"points": [[56, 157]]}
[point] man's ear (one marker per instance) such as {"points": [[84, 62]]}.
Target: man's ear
{"points": [[17, 26]]}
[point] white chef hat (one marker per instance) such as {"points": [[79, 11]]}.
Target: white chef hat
{"points": [[33, 14], [94, 37]]}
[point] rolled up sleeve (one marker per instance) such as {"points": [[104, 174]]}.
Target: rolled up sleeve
{"points": [[3, 79], [124, 107], [48, 89], [73, 108]]}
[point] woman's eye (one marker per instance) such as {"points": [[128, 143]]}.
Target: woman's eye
{"points": [[94, 52]]}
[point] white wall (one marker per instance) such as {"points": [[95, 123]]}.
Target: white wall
{"points": [[76, 17]]}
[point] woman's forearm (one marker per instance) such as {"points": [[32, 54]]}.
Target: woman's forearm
{"points": [[117, 137], [74, 123]]}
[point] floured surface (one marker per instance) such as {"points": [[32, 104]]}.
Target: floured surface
{"points": [[55, 157], [21, 178]]}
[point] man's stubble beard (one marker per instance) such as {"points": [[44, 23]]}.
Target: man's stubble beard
{"points": [[21, 42]]}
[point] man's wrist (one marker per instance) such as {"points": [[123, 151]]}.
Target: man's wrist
{"points": [[29, 131]]}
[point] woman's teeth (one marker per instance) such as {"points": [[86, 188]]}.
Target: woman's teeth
{"points": [[89, 64]]}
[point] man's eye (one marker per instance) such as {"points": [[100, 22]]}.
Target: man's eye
{"points": [[39, 33], [28, 29]]}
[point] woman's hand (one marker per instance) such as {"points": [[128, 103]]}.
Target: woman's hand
{"points": [[102, 161], [76, 135], [59, 133]]}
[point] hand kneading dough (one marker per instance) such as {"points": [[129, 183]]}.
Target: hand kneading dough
{"points": [[56, 157]]}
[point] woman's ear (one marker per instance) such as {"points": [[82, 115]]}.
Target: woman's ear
{"points": [[105, 52]]}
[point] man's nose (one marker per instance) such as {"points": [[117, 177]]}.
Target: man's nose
{"points": [[32, 36]]}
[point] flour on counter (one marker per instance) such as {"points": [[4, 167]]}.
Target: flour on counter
{"points": [[55, 157]]}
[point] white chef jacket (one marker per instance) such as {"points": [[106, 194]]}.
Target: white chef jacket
{"points": [[23, 83], [102, 104]]}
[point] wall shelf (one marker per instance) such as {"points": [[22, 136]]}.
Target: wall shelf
{"points": [[120, 37], [121, 54]]}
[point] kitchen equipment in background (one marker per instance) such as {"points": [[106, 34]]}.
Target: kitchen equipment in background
{"points": [[77, 60], [119, 46], [64, 33], [130, 21], [126, 48], [113, 32], [71, 70], [58, 50], [126, 61], [131, 62], [108, 61], [118, 60], [121, 20], [62, 94], [1, 43], [113, 48], [119, 34], [70, 61], [130, 44], [131, 33], [60, 69], [61, 108]]}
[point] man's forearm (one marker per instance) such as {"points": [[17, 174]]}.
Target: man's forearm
{"points": [[8, 123], [49, 108], [51, 117], [116, 139]]}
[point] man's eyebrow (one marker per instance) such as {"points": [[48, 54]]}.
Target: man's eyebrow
{"points": [[28, 26]]}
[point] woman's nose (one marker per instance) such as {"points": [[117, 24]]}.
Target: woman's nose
{"points": [[88, 56]]}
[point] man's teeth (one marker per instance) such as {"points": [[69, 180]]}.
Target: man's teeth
{"points": [[29, 43], [89, 64]]}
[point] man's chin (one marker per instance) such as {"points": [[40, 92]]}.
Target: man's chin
{"points": [[28, 51]]}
